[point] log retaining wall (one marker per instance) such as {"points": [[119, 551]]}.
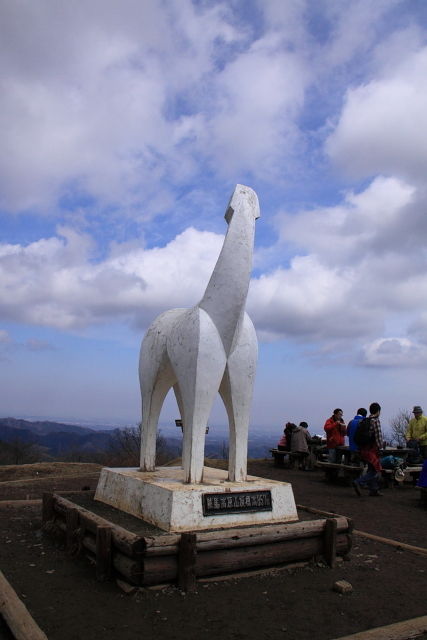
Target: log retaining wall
{"points": [[184, 557]]}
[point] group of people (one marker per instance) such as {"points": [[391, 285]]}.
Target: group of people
{"points": [[295, 439], [369, 453], [336, 430]]}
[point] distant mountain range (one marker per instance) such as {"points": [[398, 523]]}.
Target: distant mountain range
{"points": [[59, 438], [43, 427], [56, 437]]}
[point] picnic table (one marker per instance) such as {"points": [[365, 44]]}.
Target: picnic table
{"points": [[348, 468], [346, 453], [280, 456], [334, 470]]}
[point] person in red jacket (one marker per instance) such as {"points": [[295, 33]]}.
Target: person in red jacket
{"points": [[335, 432]]}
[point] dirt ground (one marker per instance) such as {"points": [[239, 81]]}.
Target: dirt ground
{"points": [[389, 584], [29, 481]]}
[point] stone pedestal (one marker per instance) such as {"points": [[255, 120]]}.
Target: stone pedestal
{"points": [[163, 499]]}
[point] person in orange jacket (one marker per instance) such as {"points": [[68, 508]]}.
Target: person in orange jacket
{"points": [[335, 432]]}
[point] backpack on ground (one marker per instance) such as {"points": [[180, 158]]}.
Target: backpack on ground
{"points": [[391, 462], [363, 434]]}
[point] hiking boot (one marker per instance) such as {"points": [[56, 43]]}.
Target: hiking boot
{"points": [[375, 494], [356, 487]]}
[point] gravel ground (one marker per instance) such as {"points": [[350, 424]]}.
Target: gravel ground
{"points": [[389, 584]]}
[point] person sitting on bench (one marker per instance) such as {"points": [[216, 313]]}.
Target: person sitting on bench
{"points": [[281, 445], [299, 443], [284, 443]]}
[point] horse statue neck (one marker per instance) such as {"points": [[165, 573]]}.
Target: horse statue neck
{"points": [[225, 296]]}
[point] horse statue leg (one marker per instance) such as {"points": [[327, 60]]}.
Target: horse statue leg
{"points": [[156, 377], [198, 359], [236, 392]]}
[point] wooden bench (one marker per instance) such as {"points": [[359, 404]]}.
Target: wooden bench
{"points": [[334, 470], [413, 473], [279, 457]]}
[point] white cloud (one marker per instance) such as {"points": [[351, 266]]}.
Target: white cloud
{"points": [[99, 113], [363, 223], [258, 96], [354, 26], [360, 268], [383, 124], [344, 286], [55, 283], [140, 107], [394, 352], [308, 300], [141, 100], [332, 33]]}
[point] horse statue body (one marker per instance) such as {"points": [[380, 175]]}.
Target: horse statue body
{"points": [[209, 348]]}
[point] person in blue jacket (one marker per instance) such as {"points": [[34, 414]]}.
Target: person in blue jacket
{"points": [[422, 482], [351, 429]]}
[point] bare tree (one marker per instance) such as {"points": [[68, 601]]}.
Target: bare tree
{"points": [[398, 426], [125, 445], [17, 451], [123, 450]]}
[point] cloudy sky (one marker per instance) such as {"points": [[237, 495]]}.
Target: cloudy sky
{"points": [[125, 126]]}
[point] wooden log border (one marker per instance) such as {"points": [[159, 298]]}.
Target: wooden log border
{"points": [[185, 557], [421, 551], [330, 542], [16, 615], [103, 553], [397, 631]]}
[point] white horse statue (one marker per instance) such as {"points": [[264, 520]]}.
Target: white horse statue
{"points": [[209, 348]]}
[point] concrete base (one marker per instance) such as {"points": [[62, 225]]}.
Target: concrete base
{"points": [[163, 499]]}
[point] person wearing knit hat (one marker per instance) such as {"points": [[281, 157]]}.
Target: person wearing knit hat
{"points": [[299, 443], [417, 430]]}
